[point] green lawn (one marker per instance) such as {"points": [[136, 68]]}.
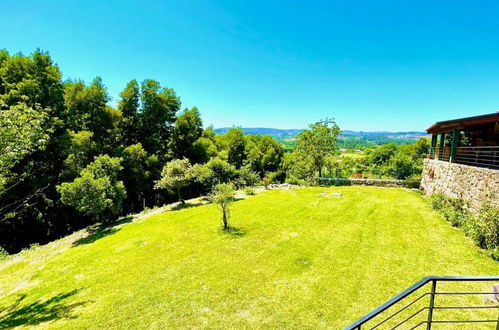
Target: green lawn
{"points": [[300, 259]]}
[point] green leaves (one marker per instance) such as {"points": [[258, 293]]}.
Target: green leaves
{"points": [[97, 190], [23, 130]]}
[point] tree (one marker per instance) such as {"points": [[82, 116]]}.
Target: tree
{"points": [[176, 174], [187, 129], [234, 143], [222, 195], [22, 131], [215, 171], [159, 106], [129, 107], [97, 191], [318, 142], [401, 166], [203, 149], [136, 176]]}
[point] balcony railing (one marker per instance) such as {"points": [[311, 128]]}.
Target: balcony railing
{"points": [[451, 300], [485, 156]]}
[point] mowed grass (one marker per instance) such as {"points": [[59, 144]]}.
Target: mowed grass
{"points": [[301, 258]]}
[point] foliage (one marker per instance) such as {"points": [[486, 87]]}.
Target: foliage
{"points": [[186, 131], [176, 174], [401, 167], [222, 195], [3, 253], [318, 142], [246, 177], [249, 191], [482, 227], [22, 131], [97, 191], [214, 172]]}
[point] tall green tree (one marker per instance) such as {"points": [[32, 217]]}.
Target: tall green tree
{"points": [[318, 142], [129, 105], [187, 130], [159, 106], [234, 143]]}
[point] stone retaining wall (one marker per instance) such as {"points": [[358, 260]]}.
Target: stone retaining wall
{"points": [[473, 184], [368, 182]]}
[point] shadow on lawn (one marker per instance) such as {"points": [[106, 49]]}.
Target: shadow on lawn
{"points": [[234, 232], [39, 311], [187, 205], [100, 231]]}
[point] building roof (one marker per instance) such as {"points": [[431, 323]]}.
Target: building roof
{"points": [[463, 123]]}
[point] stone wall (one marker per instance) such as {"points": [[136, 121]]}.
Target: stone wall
{"points": [[368, 182], [473, 184]]}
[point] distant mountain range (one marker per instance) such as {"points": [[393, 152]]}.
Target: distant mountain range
{"points": [[291, 133]]}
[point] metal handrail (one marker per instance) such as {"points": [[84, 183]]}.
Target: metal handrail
{"points": [[480, 156], [429, 279]]}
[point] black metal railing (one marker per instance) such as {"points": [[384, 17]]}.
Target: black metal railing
{"points": [[484, 156], [418, 305]]}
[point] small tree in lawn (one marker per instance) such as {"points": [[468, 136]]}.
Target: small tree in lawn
{"points": [[176, 174], [222, 196]]}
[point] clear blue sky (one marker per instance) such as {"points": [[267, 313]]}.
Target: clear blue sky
{"points": [[372, 65]]}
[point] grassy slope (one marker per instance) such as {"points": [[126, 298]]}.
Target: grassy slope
{"points": [[300, 259]]}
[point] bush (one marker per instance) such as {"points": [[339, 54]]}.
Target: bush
{"points": [[249, 191], [214, 172], [482, 227], [276, 177], [3, 253], [437, 201], [488, 218], [246, 177]]}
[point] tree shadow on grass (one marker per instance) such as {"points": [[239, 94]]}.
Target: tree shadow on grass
{"points": [[187, 205], [94, 234], [234, 232], [31, 314], [97, 232]]}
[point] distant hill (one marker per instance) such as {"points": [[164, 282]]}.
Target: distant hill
{"points": [[291, 133], [275, 132]]}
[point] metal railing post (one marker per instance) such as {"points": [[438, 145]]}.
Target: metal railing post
{"points": [[432, 304]]}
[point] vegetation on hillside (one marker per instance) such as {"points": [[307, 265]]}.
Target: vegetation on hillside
{"points": [[68, 159]]}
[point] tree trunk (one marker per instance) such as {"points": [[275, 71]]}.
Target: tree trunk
{"points": [[224, 219], [180, 197]]}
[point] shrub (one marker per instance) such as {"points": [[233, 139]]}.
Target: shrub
{"points": [[482, 227], [246, 177], [214, 172], [266, 182], [488, 218], [437, 201], [249, 191], [3, 253], [276, 177]]}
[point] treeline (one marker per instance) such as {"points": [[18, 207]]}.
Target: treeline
{"points": [[68, 159], [386, 161]]}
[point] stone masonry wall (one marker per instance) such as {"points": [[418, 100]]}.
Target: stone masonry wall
{"points": [[473, 184]]}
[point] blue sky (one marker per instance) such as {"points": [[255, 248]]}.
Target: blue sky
{"points": [[372, 65]]}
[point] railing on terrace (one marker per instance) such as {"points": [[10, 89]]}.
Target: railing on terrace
{"points": [[451, 300], [485, 156]]}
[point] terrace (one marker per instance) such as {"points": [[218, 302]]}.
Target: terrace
{"points": [[470, 141]]}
